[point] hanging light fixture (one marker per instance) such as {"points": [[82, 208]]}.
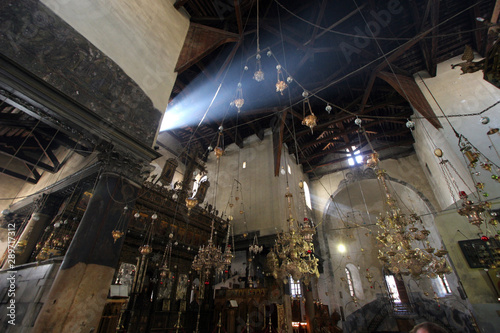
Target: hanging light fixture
{"points": [[219, 148], [309, 120], [406, 247], [239, 101], [119, 229], [478, 211], [146, 247], [259, 74], [209, 257], [167, 255], [280, 84], [255, 248], [292, 255]]}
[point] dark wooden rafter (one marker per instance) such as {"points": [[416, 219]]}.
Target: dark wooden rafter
{"points": [[397, 132], [237, 11], [408, 89], [309, 169], [33, 179], [278, 143], [352, 129], [393, 56], [201, 40]]}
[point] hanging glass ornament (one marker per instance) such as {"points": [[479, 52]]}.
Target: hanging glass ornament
{"points": [[309, 120], [259, 74], [280, 85], [239, 101]]}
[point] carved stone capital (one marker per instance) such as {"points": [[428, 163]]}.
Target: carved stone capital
{"points": [[125, 164], [357, 174]]}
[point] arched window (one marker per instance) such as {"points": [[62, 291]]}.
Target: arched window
{"points": [[354, 281], [349, 282], [307, 195]]}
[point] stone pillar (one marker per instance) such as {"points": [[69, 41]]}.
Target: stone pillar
{"points": [[310, 313], [35, 227], [79, 292]]}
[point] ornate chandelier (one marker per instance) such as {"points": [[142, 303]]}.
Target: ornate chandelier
{"points": [[211, 257], [293, 251], [406, 247]]}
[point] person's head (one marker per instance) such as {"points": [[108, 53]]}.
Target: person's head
{"points": [[428, 327]]}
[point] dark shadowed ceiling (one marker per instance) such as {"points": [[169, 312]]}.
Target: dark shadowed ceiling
{"points": [[357, 56]]}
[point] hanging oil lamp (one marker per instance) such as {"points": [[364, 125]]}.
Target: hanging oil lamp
{"points": [[309, 120], [239, 101], [146, 248], [119, 229], [281, 84]]}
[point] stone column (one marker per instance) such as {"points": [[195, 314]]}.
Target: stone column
{"points": [[310, 313], [78, 294], [35, 227]]}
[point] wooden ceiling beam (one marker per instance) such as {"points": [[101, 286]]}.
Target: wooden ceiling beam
{"points": [[278, 146], [393, 56], [237, 11], [396, 132], [337, 160]]}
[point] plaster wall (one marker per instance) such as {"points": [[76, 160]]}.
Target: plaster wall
{"points": [[461, 98], [262, 196], [143, 37]]}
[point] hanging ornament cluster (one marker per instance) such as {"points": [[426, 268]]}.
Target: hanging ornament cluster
{"points": [[473, 205], [309, 120], [280, 84], [239, 101], [259, 74], [406, 246], [293, 251]]}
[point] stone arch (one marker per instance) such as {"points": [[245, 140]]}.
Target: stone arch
{"points": [[360, 198]]}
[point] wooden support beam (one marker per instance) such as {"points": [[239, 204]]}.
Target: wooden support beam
{"points": [[278, 146], [237, 11], [393, 56], [396, 132], [337, 160], [200, 41]]}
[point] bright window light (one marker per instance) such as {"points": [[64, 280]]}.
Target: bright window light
{"points": [[357, 159], [341, 248], [295, 288], [289, 169], [307, 195], [393, 289], [349, 281], [244, 165]]}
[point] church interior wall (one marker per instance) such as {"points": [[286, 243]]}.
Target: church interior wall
{"points": [[147, 51], [263, 194]]}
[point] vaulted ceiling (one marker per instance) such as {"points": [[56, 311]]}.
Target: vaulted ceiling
{"points": [[357, 56]]}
